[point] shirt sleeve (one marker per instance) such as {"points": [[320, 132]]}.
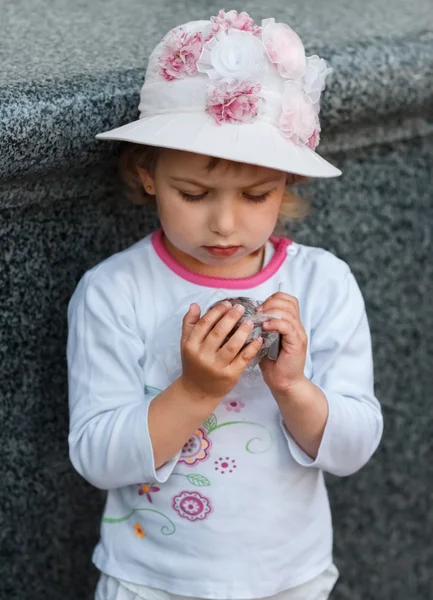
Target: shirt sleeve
{"points": [[109, 441], [342, 367]]}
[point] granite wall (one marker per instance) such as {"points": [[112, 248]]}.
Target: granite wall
{"points": [[60, 213], [378, 217]]}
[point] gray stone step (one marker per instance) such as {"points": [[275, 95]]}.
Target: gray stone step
{"points": [[72, 70]]}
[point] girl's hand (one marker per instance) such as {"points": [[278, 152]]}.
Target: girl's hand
{"points": [[288, 370], [209, 368]]}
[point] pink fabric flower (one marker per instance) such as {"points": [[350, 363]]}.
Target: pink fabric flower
{"points": [[238, 106], [298, 120], [284, 48], [180, 54], [233, 20], [313, 140]]}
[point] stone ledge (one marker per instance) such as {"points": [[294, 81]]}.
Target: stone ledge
{"points": [[378, 83]]}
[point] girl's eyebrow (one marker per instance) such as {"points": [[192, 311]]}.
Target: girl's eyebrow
{"points": [[205, 185], [182, 180]]}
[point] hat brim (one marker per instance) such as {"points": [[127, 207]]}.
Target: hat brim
{"points": [[257, 143]]}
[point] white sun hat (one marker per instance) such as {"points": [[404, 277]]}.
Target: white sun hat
{"points": [[231, 89]]}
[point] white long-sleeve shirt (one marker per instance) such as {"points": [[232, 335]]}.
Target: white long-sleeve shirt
{"points": [[242, 511]]}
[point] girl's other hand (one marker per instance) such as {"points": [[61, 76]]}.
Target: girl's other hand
{"points": [[288, 370], [210, 367]]}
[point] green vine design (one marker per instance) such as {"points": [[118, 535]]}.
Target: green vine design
{"points": [[165, 530], [211, 425]]}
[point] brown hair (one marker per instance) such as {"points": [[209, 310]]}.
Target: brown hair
{"points": [[132, 155]]}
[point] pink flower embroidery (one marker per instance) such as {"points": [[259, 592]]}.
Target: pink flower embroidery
{"points": [[146, 489], [233, 20], [196, 449], [180, 54], [225, 465], [238, 106], [192, 506], [284, 48], [234, 405], [298, 120]]}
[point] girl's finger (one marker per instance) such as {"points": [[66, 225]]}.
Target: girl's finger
{"points": [[279, 299], [236, 342], [189, 321], [245, 356], [284, 316], [288, 297], [280, 308], [282, 326], [216, 336], [207, 322]]}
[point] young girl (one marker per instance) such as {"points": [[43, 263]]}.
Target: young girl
{"points": [[215, 479]]}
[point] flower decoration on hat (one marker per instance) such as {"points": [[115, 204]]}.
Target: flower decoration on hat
{"points": [[314, 79], [298, 120], [181, 52], [233, 58], [240, 105], [233, 20], [284, 48], [237, 55]]}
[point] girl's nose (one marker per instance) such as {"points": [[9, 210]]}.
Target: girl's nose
{"points": [[223, 217]]}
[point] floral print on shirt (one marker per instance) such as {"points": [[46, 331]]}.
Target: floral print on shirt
{"points": [[225, 465], [192, 506], [139, 531], [196, 449], [234, 404], [147, 489]]}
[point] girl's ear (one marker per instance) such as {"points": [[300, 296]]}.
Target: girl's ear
{"points": [[146, 180]]}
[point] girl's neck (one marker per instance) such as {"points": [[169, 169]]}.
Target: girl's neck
{"points": [[247, 266]]}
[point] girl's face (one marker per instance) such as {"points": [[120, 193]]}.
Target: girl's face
{"points": [[215, 221]]}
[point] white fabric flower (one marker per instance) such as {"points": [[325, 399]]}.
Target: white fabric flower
{"points": [[233, 57], [284, 48], [314, 80], [299, 119]]}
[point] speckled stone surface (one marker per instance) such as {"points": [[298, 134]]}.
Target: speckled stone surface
{"points": [[70, 70], [378, 217]]}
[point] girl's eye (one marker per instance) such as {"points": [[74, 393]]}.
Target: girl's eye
{"points": [[198, 197], [192, 198], [260, 198]]}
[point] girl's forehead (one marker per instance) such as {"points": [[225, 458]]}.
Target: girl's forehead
{"points": [[200, 168]]}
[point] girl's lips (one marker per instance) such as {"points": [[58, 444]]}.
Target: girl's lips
{"points": [[222, 251]]}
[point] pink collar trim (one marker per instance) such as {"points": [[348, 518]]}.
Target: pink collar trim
{"points": [[241, 283]]}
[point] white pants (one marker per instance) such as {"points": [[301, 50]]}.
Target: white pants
{"points": [[318, 588]]}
